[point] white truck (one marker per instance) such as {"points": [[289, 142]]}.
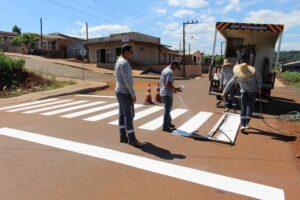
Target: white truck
{"points": [[257, 42]]}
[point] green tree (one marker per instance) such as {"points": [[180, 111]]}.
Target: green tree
{"points": [[206, 59], [25, 38], [16, 29], [219, 60]]}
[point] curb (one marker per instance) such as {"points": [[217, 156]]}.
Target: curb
{"points": [[80, 91], [19, 99]]}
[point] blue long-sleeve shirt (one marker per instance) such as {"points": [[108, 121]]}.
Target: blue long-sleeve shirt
{"points": [[247, 85], [124, 80]]}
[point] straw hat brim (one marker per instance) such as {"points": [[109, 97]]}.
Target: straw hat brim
{"points": [[243, 71]]}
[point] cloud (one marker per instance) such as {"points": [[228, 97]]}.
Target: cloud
{"points": [[188, 3], [233, 5], [289, 19], [184, 13], [202, 33], [294, 35], [103, 30], [161, 11], [290, 46]]}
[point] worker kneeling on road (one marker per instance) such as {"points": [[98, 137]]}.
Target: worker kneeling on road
{"points": [[166, 92], [250, 82], [226, 75]]}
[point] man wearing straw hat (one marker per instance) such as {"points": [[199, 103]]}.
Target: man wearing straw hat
{"points": [[226, 75], [250, 82]]}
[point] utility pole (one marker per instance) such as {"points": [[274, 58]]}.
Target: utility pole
{"points": [[87, 41], [179, 46], [41, 25], [222, 49], [183, 58]]}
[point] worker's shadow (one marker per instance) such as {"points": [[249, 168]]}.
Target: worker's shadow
{"points": [[281, 105], [274, 136], [160, 152]]}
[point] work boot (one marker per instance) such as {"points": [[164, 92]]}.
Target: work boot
{"points": [[243, 129], [134, 142], [226, 109], [167, 129], [123, 139], [172, 125]]}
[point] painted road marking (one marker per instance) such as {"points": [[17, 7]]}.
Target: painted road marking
{"points": [[54, 107], [55, 112], [95, 96], [28, 104], [213, 180], [107, 114], [38, 106], [92, 110], [193, 124], [156, 123], [142, 114]]}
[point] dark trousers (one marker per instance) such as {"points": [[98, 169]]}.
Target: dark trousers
{"points": [[247, 107], [232, 101], [168, 103], [126, 115]]}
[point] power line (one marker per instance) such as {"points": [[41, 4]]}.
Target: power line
{"points": [[74, 9]]}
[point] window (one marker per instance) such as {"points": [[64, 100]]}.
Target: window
{"points": [[118, 51]]}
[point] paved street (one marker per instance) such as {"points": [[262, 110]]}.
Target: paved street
{"points": [[68, 148]]}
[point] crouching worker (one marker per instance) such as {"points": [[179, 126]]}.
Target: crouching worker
{"points": [[250, 82], [226, 75]]}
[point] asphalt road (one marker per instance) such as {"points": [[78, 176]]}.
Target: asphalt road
{"points": [[76, 154]]}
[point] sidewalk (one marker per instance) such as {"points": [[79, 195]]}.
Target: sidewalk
{"points": [[79, 87], [88, 66]]}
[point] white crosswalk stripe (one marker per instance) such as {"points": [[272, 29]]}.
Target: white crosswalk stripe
{"points": [[193, 124], [95, 96], [40, 105], [92, 110], [142, 114], [55, 112], [28, 104], [54, 107], [107, 114], [156, 123]]}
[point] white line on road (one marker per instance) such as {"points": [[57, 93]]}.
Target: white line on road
{"points": [[193, 124], [217, 181], [55, 112], [95, 96], [54, 107], [142, 114], [156, 123], [92, 110], [28, 104], [40, 105], [107, 114]]}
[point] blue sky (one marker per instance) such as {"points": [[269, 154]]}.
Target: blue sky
{"points": [[161, 18]]}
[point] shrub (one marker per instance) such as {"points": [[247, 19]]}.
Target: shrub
{"points": [[10, 71], [291, 77]]}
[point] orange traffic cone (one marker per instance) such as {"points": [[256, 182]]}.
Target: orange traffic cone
{"points": [[157, 96], [148, 99]]}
